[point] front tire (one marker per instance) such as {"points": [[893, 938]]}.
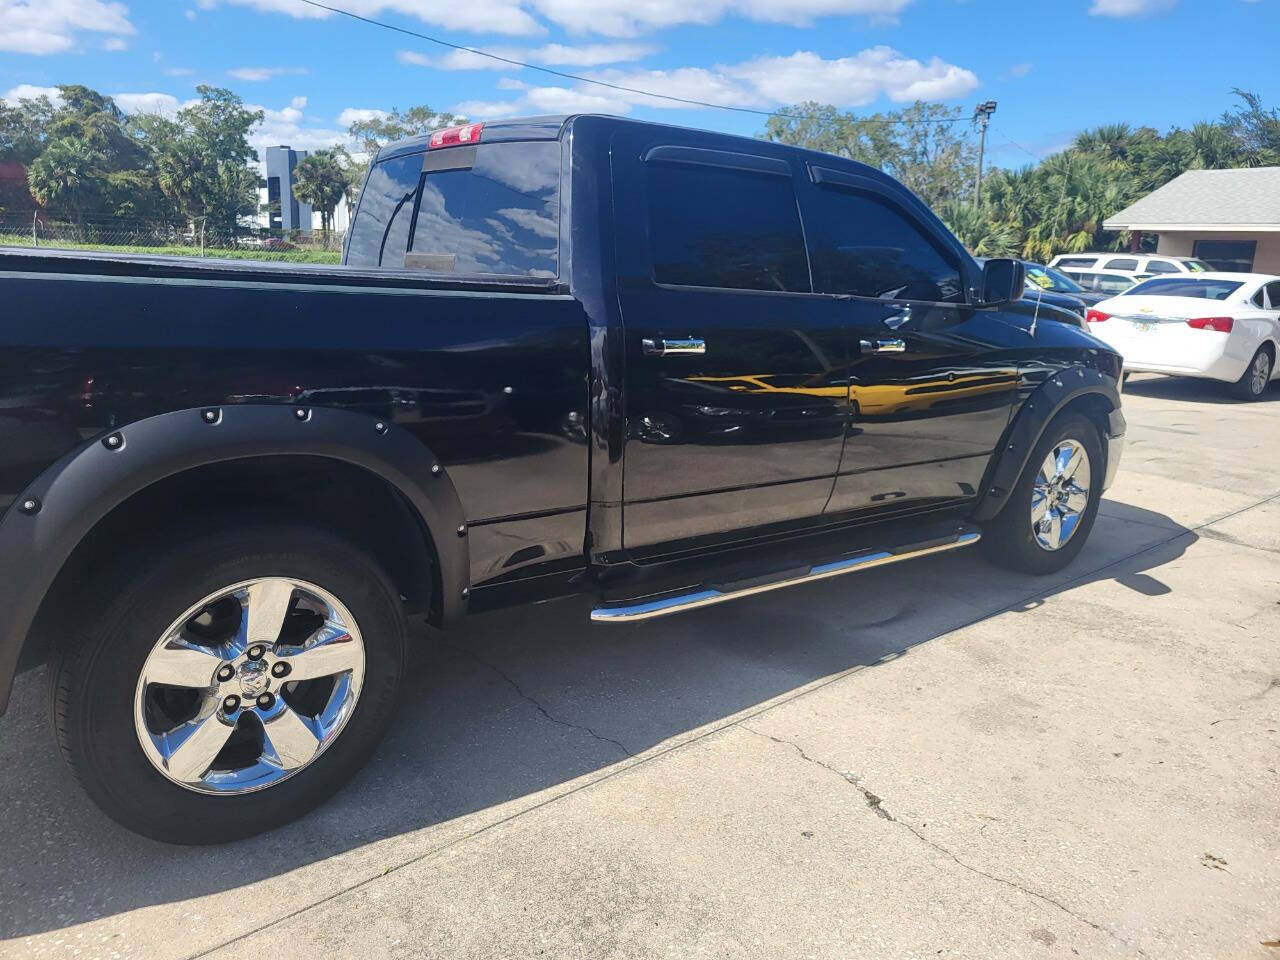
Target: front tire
{"points": [[228, 684], [1252, 385], [1051, 510]]}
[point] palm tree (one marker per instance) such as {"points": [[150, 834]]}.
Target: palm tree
{"points": [[982, 236], [64, 179]]}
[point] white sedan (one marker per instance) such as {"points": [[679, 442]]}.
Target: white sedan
{"points": [[1220, 326]]}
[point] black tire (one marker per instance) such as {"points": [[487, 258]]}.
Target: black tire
{"points": [[1010, 540], [1250, 387], [95, 673]]}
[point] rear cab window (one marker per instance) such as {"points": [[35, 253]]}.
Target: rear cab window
{"points": [[1183, 286], [479, 209]]}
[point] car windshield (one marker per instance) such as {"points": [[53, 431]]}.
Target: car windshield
{"points": [[1200, 288], [1047, 278]]}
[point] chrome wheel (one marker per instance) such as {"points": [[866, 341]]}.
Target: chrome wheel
{"points": [[249, 686], [1260, 373], [1060, 495]]}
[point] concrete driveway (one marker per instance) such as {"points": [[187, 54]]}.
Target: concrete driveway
{"points": [[930, 760]]}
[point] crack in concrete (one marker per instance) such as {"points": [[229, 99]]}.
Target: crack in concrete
{"points": [[877, 806], [536, 705]]}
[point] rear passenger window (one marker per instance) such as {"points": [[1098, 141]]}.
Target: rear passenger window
{"points": [[719, 227], [381, 232], [1121, 264], [1162, 266], [866, 246]]}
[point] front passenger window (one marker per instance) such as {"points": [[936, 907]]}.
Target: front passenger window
{"points": [[866, 246]]}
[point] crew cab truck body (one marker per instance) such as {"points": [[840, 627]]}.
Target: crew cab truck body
{"points": [[656, 367]]}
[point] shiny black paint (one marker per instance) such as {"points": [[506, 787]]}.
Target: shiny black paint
{"points": [[533, 394]]}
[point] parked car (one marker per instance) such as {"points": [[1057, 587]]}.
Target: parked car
{"points": [[652, 367], [1055, 281], [1135, 264], [1219, 326], [1095, 281]]}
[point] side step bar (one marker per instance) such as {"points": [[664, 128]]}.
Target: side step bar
{"points": [[706, 596]]}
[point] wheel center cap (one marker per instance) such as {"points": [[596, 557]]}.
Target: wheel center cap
{"points": [[253, 678]]}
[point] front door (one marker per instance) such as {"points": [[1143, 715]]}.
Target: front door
{"points": [[736, 398], [932, 380]]}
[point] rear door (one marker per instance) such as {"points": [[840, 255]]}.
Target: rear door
{"points": [[736, 396], [932, 380]]}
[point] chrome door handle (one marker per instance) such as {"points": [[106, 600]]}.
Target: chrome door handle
{"points": [[890, 345], [667, 348]]}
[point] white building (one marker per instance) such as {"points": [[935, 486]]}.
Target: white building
{"points": [[278, 208], [1228, 218]]}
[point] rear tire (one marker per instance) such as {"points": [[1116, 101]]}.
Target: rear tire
{"points": [[1044, 510], [121, 729], [1252, 385]]}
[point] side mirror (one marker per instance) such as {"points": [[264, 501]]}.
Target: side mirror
{"points": [[1003, 281]]}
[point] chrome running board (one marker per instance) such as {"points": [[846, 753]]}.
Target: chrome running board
{"points": [[706, 596]]}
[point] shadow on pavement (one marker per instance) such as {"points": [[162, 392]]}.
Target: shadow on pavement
{"points": [[514, 703], [1190, 390]]}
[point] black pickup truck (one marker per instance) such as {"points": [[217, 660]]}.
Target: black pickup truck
{"points": [[651, 367]]}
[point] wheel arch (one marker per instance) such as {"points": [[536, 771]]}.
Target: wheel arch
{"points": [[118, 474], [1078, 387]]}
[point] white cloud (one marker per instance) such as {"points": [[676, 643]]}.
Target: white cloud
{"points": [[189, 14], [1129, 8], [760, 83], [114, 43], [856, 80], [359, 115], [162, 103], [505, 17], [624, 18], [26, 91], [288, 127], [50, 26], [551, 55], [178, 71], [259, 74], [1019, 70]]}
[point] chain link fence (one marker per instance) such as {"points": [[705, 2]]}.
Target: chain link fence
{"points": [[196, 239]]}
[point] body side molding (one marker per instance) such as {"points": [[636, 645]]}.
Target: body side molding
{"points": [[49, 519]]}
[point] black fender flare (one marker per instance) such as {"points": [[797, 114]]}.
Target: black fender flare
{"points": [[1054, 395], [48, 520]]}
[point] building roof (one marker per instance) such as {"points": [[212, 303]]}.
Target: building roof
{"points": [[1245, 199]]}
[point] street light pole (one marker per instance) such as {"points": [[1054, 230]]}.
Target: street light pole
{"points": [[981, 114]]}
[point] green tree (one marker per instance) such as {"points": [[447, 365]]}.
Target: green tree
{"points": [[320, 179], [974, 228], [926, 146], [201, 158], [373, 134], [1255, 129], [64, 178]]}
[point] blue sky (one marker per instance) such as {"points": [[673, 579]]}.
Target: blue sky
{"points": [[1053, 67]]}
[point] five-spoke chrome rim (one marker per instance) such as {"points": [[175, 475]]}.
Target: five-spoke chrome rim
{"points": [[1261, 372], [249, 686], [1060, 495]]}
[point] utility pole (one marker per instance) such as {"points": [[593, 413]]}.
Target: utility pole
{"points": [[981, 114]]}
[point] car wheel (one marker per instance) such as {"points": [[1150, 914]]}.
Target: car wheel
{"points": [[1253, 384], [1051, 510], [230, 683]]}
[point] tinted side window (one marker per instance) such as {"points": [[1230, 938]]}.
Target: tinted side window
{"points": [[866, 246], [1273, 292], [1161, 266], [1076, 262], [717, 227], [500, 215], [1121, 264], [1110, 283], [380, 234]]}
